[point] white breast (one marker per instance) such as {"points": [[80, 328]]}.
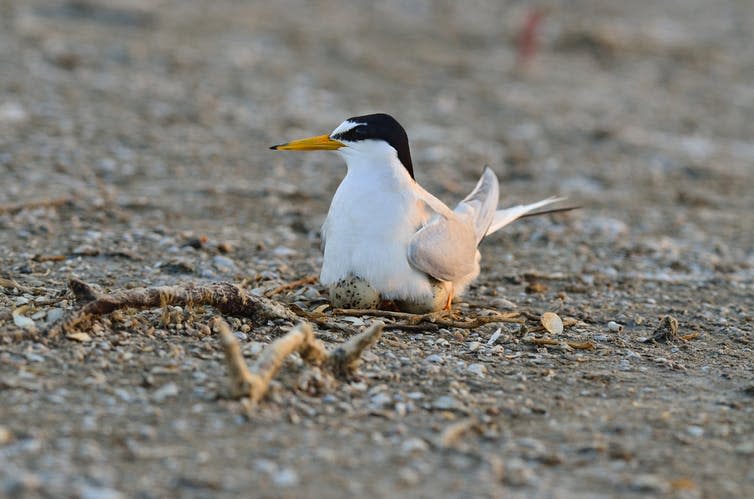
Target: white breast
{"points": [[371, 220]]}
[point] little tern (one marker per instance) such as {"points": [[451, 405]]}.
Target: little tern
{"points": [[385, 237]]}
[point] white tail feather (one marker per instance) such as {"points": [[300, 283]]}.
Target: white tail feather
{"points": [[509, 215]]}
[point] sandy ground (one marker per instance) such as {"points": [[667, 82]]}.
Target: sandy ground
{"points": [[145, 127]]}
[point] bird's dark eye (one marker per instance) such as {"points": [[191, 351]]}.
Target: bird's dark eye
{"points": [[359, 131]]}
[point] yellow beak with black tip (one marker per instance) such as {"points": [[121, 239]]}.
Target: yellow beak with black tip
{"points": [[318, 143]]}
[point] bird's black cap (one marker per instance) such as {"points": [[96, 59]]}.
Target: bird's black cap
{"points": [[380, 126]]}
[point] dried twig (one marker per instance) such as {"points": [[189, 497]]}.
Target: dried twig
{"points": [[40, 203], [453, 433], [310, 279], [345, 359], [227, 298], [548, 342], [666, 331], [12, 284], [255, 382], [438, 318]]}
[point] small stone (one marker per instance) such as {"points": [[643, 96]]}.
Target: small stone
{"points": [[285, 477], [380, 400], [283, 251], [745, 448], [5, 435], [414, 446], [225, 247], [517, 474], [434, 358], [478, 369], [446, 403], [165, 391], [502, 304], [614, 327], [38, 315], [12, 112], [408, 476], [695, 431], [241, 336], [474, 346], [22, 321], [92, 492], [223, 263], [649, 484]]}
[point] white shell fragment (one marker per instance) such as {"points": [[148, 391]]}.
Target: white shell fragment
{"points": [[614, 327], [80, 337], [552, 322], [495, 336]]}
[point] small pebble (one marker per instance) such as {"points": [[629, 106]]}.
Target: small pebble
{"points": [[414, 446], [285, 477], [380, 400], [12, 112], [517, 473], [434, 358], [478, 369], [92, 492], [695, 431], [223, 263], [22, 321], [165, 391], [614, 327], [649, 484], [446, 403], [54, 315]]}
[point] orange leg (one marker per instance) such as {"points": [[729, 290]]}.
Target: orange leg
{"points": [[449, 304]]}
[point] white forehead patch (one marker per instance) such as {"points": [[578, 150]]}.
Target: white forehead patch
{"points": [[344, 127]]}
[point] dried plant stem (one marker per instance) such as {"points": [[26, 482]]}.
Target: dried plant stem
{"points": [[39, 203], [12, 284], [576, 345], [227, 298], [255, 381], [310, 279], [438, 318]]}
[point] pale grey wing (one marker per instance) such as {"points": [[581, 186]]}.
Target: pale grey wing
{"points": [[444, 248], [479, 206]]}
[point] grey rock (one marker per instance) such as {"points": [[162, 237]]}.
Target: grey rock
{"points": [[165, 391], [223, 263], [446, 403]]}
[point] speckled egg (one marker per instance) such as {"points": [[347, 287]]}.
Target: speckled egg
{"points": [[440, 291], [354, 292]]}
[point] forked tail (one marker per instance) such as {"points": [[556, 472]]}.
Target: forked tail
{"points": [[509, 215]]}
